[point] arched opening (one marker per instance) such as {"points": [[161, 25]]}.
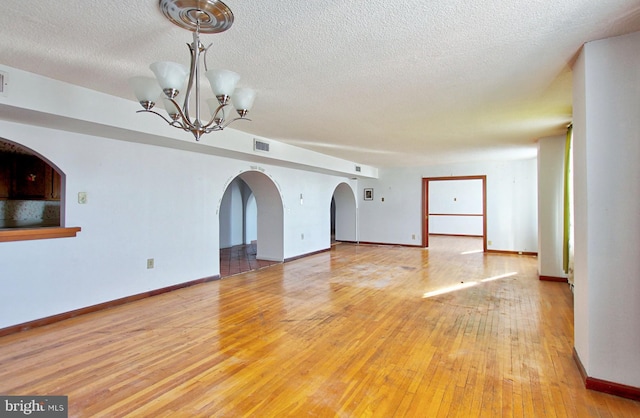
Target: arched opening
{"points": [[30, 189], [344, 222], [251, 220]]}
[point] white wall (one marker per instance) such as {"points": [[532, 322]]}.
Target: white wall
{"points": [[511, 203], [462, 197], [232, 216], [143, 202], [250, 220], [308, 220], [551, 205], [607, 203], [153, 192]]}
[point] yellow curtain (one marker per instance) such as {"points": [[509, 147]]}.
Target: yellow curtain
{"points": [[567, 198]]}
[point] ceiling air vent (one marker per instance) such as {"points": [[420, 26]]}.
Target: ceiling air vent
{"points": [[358, 169], [260, 145], [4, 79]]}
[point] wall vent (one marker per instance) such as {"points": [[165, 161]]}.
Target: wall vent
{"points": [[358, 169], [260, 145], [4, 79]]}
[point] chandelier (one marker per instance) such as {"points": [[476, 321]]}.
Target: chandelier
{"points": [[198, 16]]}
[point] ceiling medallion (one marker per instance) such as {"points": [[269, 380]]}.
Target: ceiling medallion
{"points": [[211, 16]]}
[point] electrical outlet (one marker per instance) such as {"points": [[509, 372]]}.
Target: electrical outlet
{"points": [[489, 243], [150, 263], [413, 236], [82, 198]]}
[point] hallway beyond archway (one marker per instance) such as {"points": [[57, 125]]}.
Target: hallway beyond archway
{"points": [[240, 259]]}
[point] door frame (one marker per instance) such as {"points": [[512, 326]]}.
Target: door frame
{"points": [[425, 205]]}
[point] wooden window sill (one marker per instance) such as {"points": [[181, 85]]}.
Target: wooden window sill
{"points": [[24, 234]]}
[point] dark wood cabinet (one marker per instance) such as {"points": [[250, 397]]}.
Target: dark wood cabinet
{"points": [[27, 177], [5, 175], [28, 180], [52, 184]]}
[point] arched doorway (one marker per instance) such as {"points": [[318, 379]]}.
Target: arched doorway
{"points": [[31, 189], [344, 220], [251, 218]]}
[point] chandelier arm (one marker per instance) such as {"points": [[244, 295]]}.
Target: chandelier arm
{"points": [[187, 95], [174, 123], [214, 128], [213, 118], [170, 122], [196, 72], [233, 120], [204, 57], [185, 122], [179, 125]]}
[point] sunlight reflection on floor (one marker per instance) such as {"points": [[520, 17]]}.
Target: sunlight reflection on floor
{"points": [[463, 285], [472, 252]]}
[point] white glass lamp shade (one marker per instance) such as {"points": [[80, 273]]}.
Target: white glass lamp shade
{"points": [[243, 99], [171, 109], [170, 75], [223, 82], [146, 89]]}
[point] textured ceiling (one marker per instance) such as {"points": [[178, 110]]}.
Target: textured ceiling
{"points": [[387, 84]]}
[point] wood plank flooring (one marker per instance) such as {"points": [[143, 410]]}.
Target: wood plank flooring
{"points": [[359, 331]]}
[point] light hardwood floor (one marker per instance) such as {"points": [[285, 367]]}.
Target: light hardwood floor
{"points": [[360, 331]]}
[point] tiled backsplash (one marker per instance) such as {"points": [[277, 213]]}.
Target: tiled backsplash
{"points": [[29, 213]]}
